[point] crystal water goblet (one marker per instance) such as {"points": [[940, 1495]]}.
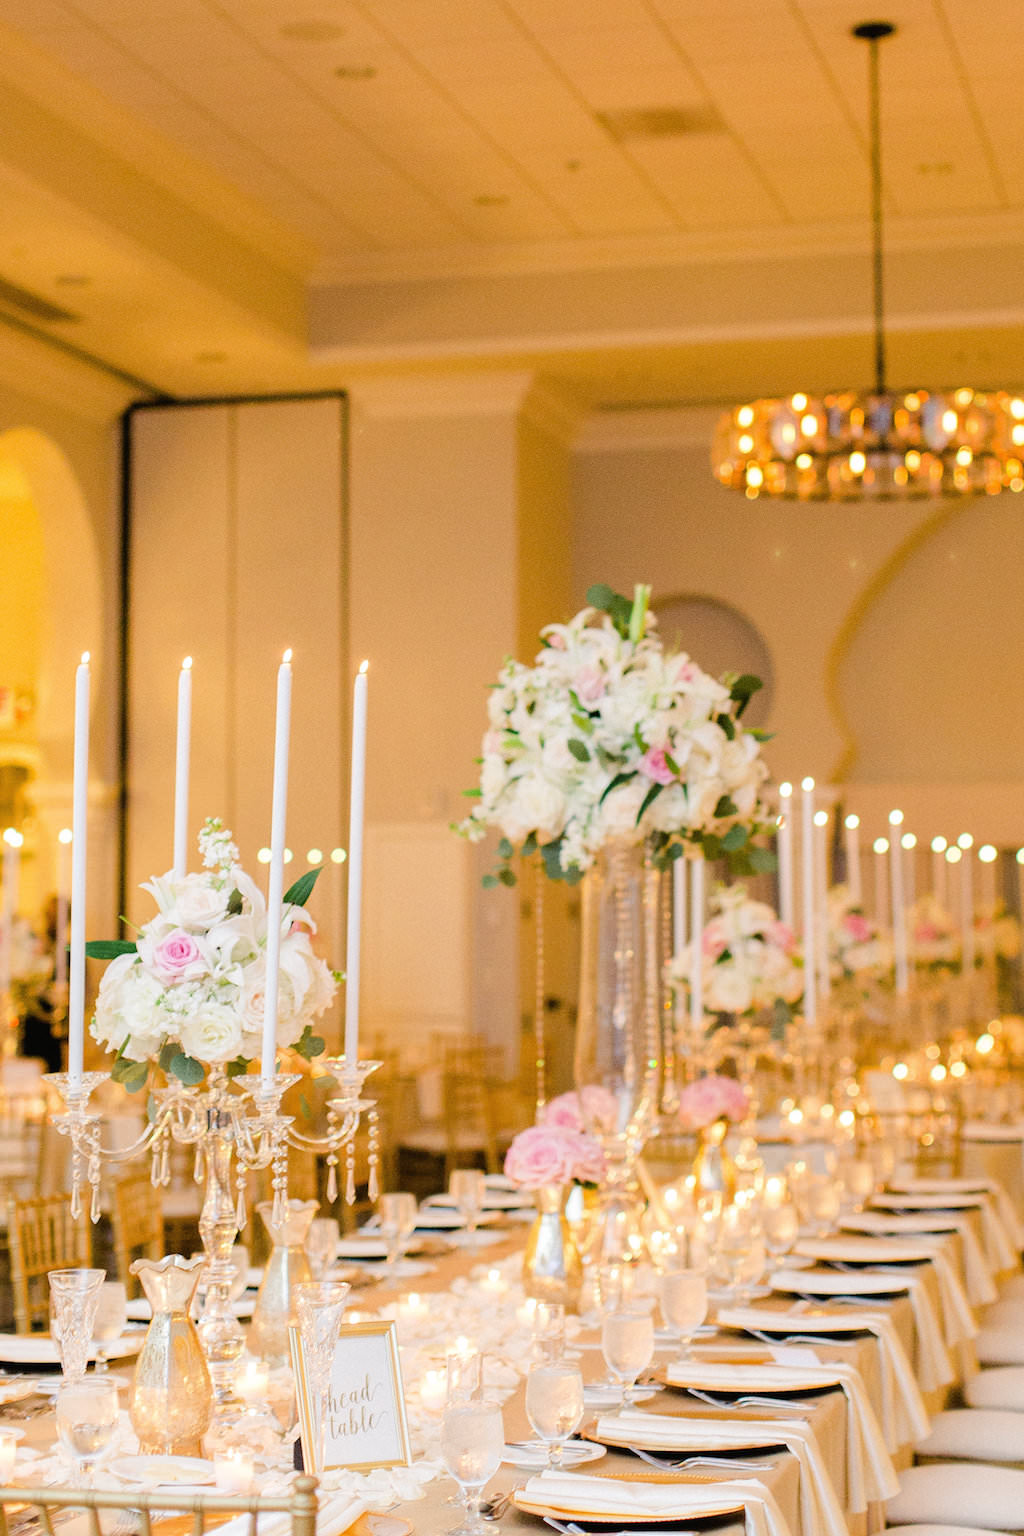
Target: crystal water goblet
{"points": [[549, 1330], [554, 1404], [627, 1343], [683, 1298], [781, 1225], [467, 1187], [319, 1306], [463, 1375], [87, 1420], [822, 1202], [74, 1295], [472, 1443], [322, 1244], [109, 1321], [398, 1212]]}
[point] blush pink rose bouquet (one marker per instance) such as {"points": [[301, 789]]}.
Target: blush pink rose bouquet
{"points": [[553, 1153], [712, 1098]]}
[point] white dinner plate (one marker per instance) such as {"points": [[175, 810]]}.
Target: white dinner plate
{"points": [[836, 1282], [862, 1250], [951, 1202], [39, 1348], [922, 1186], [787, 1324], [164, 1471], [494, 1200], [744, 1379], [901, 1222]]}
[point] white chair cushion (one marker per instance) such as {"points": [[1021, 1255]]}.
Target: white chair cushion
{"points": [[1002, 1344], [939, 1530], [949, 1494], [1012, 1289], [977, 1434], [1001, 1388]]}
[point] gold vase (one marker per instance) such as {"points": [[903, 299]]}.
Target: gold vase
{"points": [[551, 1265], [714, 1172], [172, 1395], [288, 1264]]}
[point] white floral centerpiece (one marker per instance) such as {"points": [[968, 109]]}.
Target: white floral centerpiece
{"points": [[608, 734], [996, 934], [751, 960], [856, 943], [934, 937], [188, 992]]}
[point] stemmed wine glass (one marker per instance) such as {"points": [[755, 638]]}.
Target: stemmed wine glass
{"points": [[109, 1321], [319, 1305], [683, 1297], [781, 1225], [74, 1296], [398, 1212], [322, 1245], [554, 1405], [87, 1419], [467, 1187], [627, 1343], [472, 1443]]}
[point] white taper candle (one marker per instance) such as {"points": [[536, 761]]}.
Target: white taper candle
{"points": [[939, 846], [79, 845], [899, 912], [356, 810], [807, 865], [784, 843], [966, 844], [678, 906], [181, 768], [853, 881], [60, 967], [275, 880], [880, 848], [697, 944], [821, 832]]}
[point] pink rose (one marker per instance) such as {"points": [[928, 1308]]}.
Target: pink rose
{"points": [[713, 940], [541, 1155], [565, 1111], [712, 1098], [783, 937], [178, 958], [654, 766], [858, 927], [589, 1167], [600, 1111], [589, 685]]}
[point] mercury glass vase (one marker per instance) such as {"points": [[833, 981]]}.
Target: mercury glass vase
{"points": [[714, 1172], [618, 1037], [287, 1267], [551, 1264], [172, 1396]]}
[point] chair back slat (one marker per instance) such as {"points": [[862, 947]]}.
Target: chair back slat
{"points": [[138, 1223], [300, 1504], [42, 1235]]}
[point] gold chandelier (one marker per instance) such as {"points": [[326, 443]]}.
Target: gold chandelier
{"points": [[880, 444]]}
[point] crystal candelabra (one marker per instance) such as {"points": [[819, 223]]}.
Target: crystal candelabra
{"points": [[236, 1126]]}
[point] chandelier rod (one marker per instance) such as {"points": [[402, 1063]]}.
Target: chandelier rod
{"points": [[872, 33]]}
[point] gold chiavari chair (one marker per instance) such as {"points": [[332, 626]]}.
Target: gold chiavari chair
{"points": [[42, 1235], [138, 1510], [138, 1222]]}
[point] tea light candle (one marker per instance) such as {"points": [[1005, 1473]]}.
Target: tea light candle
{"points": [[526, 1313], [495, 1282], [8, 1452], [775, 1190], [252, 1383], [433, 1390], [413, 1305], [233, 1471]]}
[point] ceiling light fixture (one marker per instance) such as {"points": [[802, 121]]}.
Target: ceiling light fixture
{"points": [[882, 445]]}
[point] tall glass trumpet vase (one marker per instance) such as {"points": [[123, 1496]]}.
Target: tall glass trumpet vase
{"points": [[618, 1045]]}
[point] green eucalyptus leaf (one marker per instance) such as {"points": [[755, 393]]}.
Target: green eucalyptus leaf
{"points": [[505, 849], [110, 949], [298, 894], [187, 1070], [529, 847], [235, 904], [726, 807], [309, 1045], [579, 750], [742, 690], [762, 860], [489, 882], [735, 838], [237, 1068]]}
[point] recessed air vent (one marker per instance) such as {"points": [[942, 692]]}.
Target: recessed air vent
{"points": [[660, 122], [13, 297]]}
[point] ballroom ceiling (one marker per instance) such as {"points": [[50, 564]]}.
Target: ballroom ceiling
{"points": [[213, 163]]}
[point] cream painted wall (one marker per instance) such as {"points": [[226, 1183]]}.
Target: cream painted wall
{"points": [[894, 630]]}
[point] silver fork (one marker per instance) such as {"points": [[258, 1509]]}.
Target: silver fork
{"points": [[698, 1461]]}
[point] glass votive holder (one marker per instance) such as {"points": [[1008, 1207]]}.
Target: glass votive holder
{"points": [[434, 1390], [464, 1373], [233, 1471], [8, 1453], [252, 1385]]}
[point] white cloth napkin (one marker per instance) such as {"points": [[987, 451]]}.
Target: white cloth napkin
{"points": [[576, 1494], [870, 1474], [904, 1416], [958, 1321], [333, 1517], [820, 1510], [934, 1366], [981, 1287]]}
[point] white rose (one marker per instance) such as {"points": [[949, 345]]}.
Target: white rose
{"points": [[729, 991], [536, 805], [622, 807], [197, 904], [127, 1007], [212, 1034], [492, 778]]}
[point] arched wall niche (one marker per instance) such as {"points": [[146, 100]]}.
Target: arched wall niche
{"points": [[50, 608], [721, 639]]}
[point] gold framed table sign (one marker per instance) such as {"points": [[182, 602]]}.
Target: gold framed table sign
{"points": [[364, 1424]]}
